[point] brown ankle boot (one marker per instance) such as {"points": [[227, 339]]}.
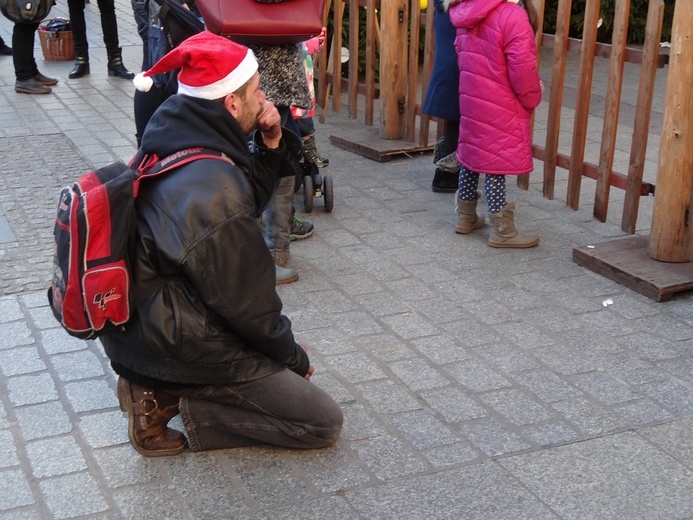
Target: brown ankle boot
{"points": [[467, 218], [504, 233], [149, 412]]}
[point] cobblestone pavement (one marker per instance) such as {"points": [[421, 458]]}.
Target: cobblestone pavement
{"points": [[476, 383]]}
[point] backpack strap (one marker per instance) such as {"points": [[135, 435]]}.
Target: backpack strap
{"points": [[151, 166]]}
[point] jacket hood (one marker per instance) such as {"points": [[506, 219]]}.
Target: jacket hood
{"points": [[468, 13], [186, 122]]}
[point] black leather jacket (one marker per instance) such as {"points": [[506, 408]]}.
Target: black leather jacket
{"points": [[217, 318]]}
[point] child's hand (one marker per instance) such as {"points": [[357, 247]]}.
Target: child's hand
{"points": [[322, 36]]}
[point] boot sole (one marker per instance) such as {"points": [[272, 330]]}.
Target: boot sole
{"points": [[125, 400], [36, 92], [508, 245], [288, 280], [466, 231]]}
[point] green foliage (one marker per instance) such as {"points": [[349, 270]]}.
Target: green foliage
{"points": [[637, 22]]}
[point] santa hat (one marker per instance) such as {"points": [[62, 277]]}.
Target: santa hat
{"points": [[210, 66]]}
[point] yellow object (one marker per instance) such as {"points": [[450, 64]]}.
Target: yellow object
{"points": [[423, 4]]}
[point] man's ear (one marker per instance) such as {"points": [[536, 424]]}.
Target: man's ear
{"points": [[232, 102]]}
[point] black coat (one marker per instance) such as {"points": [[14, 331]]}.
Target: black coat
{"points": [[217, 319], [443, 97]]}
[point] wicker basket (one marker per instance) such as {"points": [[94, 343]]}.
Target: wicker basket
{"points": [[57, 46]]}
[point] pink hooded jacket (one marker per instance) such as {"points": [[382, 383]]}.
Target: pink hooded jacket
{"points": [[499, 85]]}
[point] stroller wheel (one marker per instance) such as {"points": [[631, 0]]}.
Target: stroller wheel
{"points": [[308, 193], [328, 193]]}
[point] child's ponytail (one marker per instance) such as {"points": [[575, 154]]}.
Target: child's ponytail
{"points": [[533, 16]]}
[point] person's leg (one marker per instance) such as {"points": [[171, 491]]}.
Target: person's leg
{"points": [[145, 104], [79, 35], [306, 127], [282, 409], [28, 78], [109, 24], [504, 233], [445, 180], [467, 196]]}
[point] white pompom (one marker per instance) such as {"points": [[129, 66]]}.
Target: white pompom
{"points": [[143, 83]]}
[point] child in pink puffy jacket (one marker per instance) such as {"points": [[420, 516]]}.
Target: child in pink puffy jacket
{"points": [[499, 90]]}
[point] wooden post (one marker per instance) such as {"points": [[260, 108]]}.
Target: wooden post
{"points": [[582, 106], [556, 97], [643, 109], [394, 17], [671, 213]]}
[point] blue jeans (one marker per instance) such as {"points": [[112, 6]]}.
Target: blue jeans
{"points": [[282, 409]]}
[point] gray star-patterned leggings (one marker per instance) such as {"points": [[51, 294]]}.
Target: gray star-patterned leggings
{"points": [[494, 188]]}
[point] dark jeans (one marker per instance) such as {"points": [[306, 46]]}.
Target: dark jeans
{"points": [[109, 26], [23, 37], [282, 409], [306, 126]]}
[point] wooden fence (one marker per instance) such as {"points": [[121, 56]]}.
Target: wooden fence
{"points": [[393, 33]]}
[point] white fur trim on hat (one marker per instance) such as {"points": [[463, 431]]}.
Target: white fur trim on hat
{"points": [[143, 83], [232, 82]]}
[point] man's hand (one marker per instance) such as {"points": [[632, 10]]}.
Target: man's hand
{"points": [[311, 368], [269, 124]]}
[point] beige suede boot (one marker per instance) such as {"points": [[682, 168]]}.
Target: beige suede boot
{"points": [[504, 233], [467, 218]]}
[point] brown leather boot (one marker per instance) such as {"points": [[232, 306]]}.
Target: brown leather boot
{"points": [[149, 412]]}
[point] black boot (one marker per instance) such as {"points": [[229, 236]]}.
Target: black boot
{"points": [[80, 69], [116, 67]]}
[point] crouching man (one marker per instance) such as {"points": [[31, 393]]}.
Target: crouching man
{"points": [[211, 342]]}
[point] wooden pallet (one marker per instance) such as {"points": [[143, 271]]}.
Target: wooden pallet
{"points": [[366, 141], [626, 261]]}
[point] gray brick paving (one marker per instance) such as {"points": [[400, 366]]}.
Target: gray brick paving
{"points": [[475, 383]]}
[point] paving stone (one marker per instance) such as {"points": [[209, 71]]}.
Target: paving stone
{"points": [[73, 495], [10, 310], [104, 429], [227, 505], [476, 492], [516, 406], [123, 466], [147, 502], [423, 430], [441, 349], [14, 490], [607, 389], [672, 394], [42, 317], [267, 479], [674, 438], [477, 376], [546, 435], [337, 506], [193, 474], [564, 359], [31, 389], [492, 437], [42, 420], [409, 325], [35, 299], [359, 423], [8, 454], [76, 365], [55, 456], [20, 361], [619, 476], [355, 367], [386, 397], [26, 514], [55, 341], [643, 412], [650, 347], [15, 334], [386, 347], [340, 479], [418, 375], [507, 358], [589, 417], [86, 396], [471, 333], [546, 385], [388, 458], [453, 404], [383, 303], [450, 455]]}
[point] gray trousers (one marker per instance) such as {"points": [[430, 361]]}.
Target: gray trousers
{"points": [[276, 218], [282, 409]]}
